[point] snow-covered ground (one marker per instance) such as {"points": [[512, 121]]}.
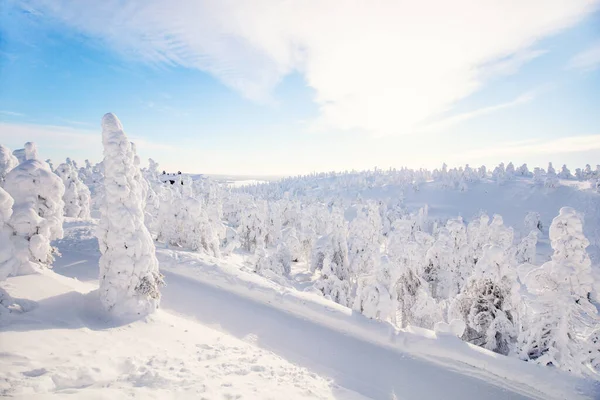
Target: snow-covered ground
{"points": [[224, 332]]}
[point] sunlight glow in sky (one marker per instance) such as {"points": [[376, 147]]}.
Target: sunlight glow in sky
{"points": [[285, 87]]}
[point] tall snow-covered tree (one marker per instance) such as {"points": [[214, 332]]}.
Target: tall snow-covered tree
{"points": [[562, 315], [129, 275], [37, 216]]}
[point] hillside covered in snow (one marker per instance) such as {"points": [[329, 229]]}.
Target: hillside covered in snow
{"points": [[124, 280]]}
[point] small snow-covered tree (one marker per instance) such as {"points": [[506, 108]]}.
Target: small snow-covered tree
{"points": [[565, 173], [525, 252], [7, 162], [562, 316], [538, 176], [532, 221], [510, 171], [523, 170], [290, 238], [252, 230], [278, 263], [37, 211], [499, 174], [364, 239], [501, 235], [77, 194], [551, 177], [129, 275]]}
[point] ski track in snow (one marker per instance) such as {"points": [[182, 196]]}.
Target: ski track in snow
{"points": [[205, 342]]}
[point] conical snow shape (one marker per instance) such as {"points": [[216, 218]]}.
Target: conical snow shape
{"points": [[129, 276]]}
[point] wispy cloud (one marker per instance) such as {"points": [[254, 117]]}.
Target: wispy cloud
{"points": [[382, 67], [572, 144], [73, 122], [587, 60], [456, 119], [11, 113], [68, 141]]}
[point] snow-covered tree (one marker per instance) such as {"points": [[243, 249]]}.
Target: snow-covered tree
{"points": [[278, 262], [510, 171], [562, 316], [448, 262], [523, 170], [77, 194], [37, 216], [499, 174], [501, 235], [364, 233], [565, 173], [532, 221], [526, 249], [538, 176], [7, 162], [551, 177], [129, 275], [488, 304], [439, 270], [8, 261], [253, 230], [330, 258]]}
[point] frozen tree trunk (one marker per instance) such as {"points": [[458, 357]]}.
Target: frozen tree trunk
{"points": [[129, 275]]}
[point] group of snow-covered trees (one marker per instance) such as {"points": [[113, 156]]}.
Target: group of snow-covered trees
{"points": [[477, 278], [34, 199]]}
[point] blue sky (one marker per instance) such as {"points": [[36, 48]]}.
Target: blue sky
{"points": [[294, 87]]}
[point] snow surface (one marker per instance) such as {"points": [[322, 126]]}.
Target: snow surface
{"points": [[225, 332]]}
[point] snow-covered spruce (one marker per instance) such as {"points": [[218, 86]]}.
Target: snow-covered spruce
{"points": [[7, 162], [77, 194], [37, 216], [488, 304], [562, 318], [129, 275], [330, 258]]}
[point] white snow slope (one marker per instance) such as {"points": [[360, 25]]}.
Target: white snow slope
{"points": [[226, 333]]}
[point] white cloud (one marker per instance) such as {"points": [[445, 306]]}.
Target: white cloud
{"points": [[383, 66], [587, 60], [456, 119], [11, 113]]}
